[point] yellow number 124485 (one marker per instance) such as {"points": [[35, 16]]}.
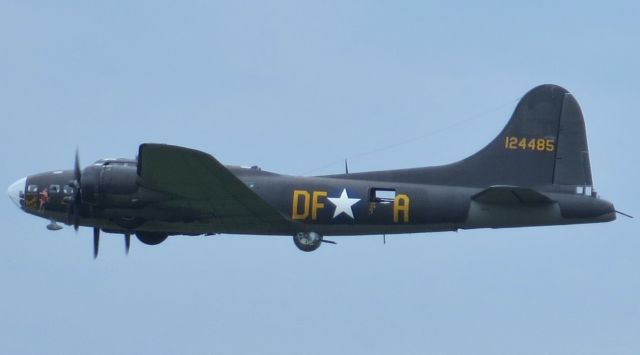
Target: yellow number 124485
{"points": [[523, 143]]}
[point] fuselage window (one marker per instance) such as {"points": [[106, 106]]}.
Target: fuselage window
{"points": [[54, 189], [382, 195], [67, 190], [32, 188]]}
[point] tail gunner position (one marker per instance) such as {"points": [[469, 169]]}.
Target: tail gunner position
{"points": [[536, 172]]}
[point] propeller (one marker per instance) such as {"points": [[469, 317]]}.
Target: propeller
{"points": [[75, 203]]}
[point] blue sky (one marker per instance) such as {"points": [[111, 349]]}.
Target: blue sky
{"points": [[296, 88]]}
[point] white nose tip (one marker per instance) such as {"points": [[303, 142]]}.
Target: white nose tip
{"points": [[16, 190]]}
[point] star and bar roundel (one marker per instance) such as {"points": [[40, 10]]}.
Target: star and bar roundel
{"points": [[306, 205]]}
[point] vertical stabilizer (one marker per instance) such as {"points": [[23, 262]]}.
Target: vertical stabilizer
{"points": [[544, 143]]}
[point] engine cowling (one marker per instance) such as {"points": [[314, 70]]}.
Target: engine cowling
{"points": [[307, 241], [101, 181]]}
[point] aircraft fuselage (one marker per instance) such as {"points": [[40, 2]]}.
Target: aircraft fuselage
{"points": [[327, 205]]}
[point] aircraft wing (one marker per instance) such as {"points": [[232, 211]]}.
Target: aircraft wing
{"points": [[510, 195], [198, 181]]}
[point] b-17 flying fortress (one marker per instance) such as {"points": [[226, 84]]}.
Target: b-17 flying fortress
{"points": [[536, 172]]}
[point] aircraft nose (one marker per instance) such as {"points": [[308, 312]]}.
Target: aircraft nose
{"points": [[16, 191]]}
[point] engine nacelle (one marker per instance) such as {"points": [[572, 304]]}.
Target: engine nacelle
{"points": [[99, 181], [307, 241]]}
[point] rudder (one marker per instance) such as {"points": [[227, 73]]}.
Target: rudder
{"points": [[572, 157]]}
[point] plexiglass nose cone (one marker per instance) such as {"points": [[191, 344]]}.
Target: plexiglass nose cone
{"points": [[15, 190]]}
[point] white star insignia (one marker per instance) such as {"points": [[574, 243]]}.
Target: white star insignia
{"points": [[343, 204]]}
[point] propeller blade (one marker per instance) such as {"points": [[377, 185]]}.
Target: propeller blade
{"points": [[74, 205], [127, 243], [76, 168], [76, 217], [96, 241]]}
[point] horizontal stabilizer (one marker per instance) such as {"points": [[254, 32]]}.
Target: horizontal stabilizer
{"points": [[505, 195]]}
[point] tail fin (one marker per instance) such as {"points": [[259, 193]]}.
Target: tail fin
{"points": [[544, 143]]}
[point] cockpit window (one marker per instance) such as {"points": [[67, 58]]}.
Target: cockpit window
{"points": [[67, 190], [32, 188], [54, 189]]}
